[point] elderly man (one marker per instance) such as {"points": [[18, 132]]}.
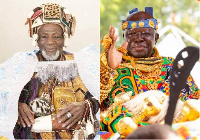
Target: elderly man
{"points": [[131, 70], [55, 103]]}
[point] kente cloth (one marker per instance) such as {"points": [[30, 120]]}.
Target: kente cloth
{"points": [[124, 82], [110, 121], [127, 78], [18, 70], [108, 135]]}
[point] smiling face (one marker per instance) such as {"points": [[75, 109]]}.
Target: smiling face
{"points": [[51, 41], [140, 40]]}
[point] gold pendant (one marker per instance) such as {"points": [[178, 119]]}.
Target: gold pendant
{"points": [[152, 86]]}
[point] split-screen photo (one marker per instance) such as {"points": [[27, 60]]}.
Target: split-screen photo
{"points": [[99, 69]]}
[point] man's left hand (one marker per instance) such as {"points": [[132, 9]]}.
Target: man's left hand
{"points": [[76, 110]]}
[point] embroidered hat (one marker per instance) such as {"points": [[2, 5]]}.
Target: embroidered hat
{"points": [[51, 13]]}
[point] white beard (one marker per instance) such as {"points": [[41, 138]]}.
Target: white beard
{"points": [[52, 57]]}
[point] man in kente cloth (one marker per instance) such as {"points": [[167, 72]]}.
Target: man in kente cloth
{"points": [[135, 79]]}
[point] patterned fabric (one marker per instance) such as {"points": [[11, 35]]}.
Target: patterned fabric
{"points": [[125, 80], [111, 120], [108, 135], [35, 89]]}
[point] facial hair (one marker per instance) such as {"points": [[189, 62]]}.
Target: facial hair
{"points": [[50, 57]]}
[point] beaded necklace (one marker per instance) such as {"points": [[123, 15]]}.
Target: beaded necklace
{"points": [[146, 70]]}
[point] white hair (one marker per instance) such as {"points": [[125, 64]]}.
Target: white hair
{"points": [[50, 57]]}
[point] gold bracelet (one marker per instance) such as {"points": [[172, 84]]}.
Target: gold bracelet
{"points": [[122, 50], [106, 41]]}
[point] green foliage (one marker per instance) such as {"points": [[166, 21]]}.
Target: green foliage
{"points": [[112, 12]]}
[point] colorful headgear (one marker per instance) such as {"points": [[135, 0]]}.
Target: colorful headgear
{"points": [[51, 13], [149, 23]]}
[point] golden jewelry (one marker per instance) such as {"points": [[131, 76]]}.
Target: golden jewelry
{"points": [[65, 134], [47, 135], [106, 41], [122, 50], [106, 80], [151, 107], [149, 73], [62, 96], [189, 112], [126, 125], [147, 68]]}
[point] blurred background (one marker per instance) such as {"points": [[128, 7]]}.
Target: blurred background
{"points": [[184, 14], [179, 23]]}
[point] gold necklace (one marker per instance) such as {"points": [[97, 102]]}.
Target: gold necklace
{"points": [[148, 69]]}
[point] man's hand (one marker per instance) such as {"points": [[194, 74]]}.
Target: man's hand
{"points": [[114, 56], [76, 109], [26, 116]]}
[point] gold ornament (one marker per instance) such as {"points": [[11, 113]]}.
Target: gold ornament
{"points": [[151, 107], [189, 112], [134, 25], [48, 135], [151, 23], [106, 41], [122, 98], [106, 80], [149, 73], [156, 27], [147, 68], [150, 60], [124, 25], [122, 50], [65, 134], [118, 100], [52, 11], [141, 24], [79, 88], [62, 96], [103, 114], [126, 125]]}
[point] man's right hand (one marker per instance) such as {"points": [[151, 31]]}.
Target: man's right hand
{"points": [[26, 116], [114, 56]]}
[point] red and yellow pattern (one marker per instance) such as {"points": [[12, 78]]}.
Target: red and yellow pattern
{"points": [[129, 79]]}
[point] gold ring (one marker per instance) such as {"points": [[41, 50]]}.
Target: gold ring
{"points": [[69, 115]]}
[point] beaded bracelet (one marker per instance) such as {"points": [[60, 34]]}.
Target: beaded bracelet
{"points": [[106, 41], [122, 50]]}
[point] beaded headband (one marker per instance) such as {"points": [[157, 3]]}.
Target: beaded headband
{"points": [[149, 23]]}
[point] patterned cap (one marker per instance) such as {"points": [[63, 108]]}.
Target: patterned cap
{"points": [[51, 13], [149, 23]]}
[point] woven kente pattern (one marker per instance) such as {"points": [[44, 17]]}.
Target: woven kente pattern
{"points": [[124, 82]]}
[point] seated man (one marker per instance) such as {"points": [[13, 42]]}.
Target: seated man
{"points": [[128, 72], [55, 103]]}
